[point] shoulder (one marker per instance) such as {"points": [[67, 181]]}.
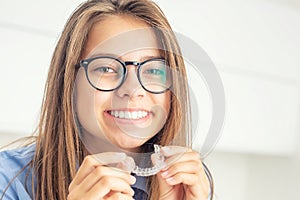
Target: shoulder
{"points": [[13, 171], [17, 158]]}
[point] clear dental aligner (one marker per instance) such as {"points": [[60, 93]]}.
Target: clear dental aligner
{"points": [[159, 164]]}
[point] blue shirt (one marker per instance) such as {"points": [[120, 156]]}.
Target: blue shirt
{"points": [[12, 161]]}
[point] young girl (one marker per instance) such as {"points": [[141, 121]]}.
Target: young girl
{"points": [[108, 96]]}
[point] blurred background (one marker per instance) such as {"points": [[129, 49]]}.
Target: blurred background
{"points": [[255, 46]]}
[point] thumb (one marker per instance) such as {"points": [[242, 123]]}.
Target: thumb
{"points": [[115, 160], [109, 157]]}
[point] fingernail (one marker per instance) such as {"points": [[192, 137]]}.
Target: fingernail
{"points": [[170, 180], [165, 167], [132, 179], [121, 155], [164, 174], [128, 164], [132, 192]]}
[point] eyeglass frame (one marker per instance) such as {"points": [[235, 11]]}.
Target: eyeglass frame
{"points": [[85, 63]]}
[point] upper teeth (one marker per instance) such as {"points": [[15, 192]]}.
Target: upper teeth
{"points": [[129, 115]]}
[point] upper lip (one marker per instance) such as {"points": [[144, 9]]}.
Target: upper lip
{"points": [[129, 109]]}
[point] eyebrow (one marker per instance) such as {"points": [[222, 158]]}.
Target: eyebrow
{"points": [[143, 58]]}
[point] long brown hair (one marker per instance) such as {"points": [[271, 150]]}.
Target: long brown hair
{"points": [[58, 146]]}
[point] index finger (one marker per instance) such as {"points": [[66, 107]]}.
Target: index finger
{"points": [[91, 162]]}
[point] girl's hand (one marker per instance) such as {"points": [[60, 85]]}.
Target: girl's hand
{"points": [[95, 180], [184, 178]]}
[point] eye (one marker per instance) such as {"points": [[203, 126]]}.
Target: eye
{"points": [[155, 71], [105, 70]]}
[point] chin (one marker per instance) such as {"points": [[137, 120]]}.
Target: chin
{"points": [[130, 144]]}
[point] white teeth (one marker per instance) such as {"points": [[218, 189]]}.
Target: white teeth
{"points": [[134, 115], [140, 114], [121, 114], [129, 115], [116, 114], [145, 113]]}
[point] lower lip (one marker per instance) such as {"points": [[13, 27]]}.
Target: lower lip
{"points": [[128, 121]]}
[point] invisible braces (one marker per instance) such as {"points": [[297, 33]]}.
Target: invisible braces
{"points": [[159, 164]]}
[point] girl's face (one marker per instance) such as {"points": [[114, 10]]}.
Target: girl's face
{"points": [[128, 116]]}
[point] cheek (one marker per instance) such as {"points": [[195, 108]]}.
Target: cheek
{"points": [[101, 101], [88, 103], [83, 100], [165, 102], [161, 108]]}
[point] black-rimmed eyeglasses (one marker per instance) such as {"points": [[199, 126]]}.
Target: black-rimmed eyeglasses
{"points": [[107, 73]]}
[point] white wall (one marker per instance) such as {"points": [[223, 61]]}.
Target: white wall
{"points": [[255, 177], [255, 46]]}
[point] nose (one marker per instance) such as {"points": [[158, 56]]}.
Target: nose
{"points": [[131, 86]]}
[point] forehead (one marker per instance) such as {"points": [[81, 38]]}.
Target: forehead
{"points": [[120, 35]]}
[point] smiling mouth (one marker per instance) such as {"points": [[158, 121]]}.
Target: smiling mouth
{"points": [[130, 115]]}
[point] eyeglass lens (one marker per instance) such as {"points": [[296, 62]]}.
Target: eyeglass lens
{"points": [[108, 74]]}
